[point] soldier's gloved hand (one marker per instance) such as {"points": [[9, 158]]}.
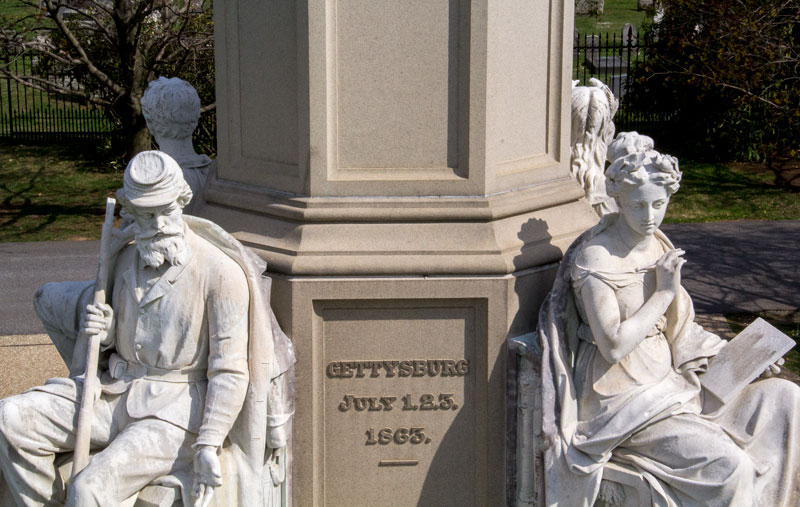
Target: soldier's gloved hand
{"points": [[98, 320], [207, 475]]}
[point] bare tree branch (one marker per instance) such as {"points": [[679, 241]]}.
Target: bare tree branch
{"points": [[76, 45], [46, 86], [114, 48]]}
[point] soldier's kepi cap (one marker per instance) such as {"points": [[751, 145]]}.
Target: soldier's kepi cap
{"points": [[152, 178]]}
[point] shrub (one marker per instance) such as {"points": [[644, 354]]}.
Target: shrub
{"points": [[726, 76]]}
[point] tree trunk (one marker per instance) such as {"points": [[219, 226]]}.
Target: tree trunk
{"points": [[137, 139], [134, 126]]}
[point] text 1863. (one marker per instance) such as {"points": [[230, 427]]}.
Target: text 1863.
{"points": [[399, 436]]}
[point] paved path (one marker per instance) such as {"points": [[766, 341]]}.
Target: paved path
{"points": [[740, 267], [27, 266], [732, 267], [27, 357]]}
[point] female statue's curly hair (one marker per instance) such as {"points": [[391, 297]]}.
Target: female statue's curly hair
{"points": [[638, 168]]}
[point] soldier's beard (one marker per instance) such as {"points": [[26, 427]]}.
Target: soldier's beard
{"points": [[169, 247]]}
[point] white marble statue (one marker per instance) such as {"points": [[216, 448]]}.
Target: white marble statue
{"points": [[171, 108], [593, 110], [195, 392], [621, 359]]}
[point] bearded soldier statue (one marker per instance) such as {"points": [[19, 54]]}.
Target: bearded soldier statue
{"points": [[195, 376]]}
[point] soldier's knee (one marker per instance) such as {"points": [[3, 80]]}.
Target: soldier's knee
{"points": [[43, 296], [89, 489], [12, 420]]}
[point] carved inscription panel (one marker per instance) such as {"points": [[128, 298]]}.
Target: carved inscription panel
{"points": [[400, 402]]}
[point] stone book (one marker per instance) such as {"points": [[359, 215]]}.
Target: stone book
{"points": [[744, 358]]}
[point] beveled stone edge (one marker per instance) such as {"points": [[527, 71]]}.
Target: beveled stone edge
{"points": [[393, 247], [265, 201]]}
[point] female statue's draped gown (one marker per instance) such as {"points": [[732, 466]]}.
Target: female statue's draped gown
{"points": [[647, 410]]}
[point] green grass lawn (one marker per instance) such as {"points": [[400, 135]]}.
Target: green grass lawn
{"points": [[13, 8], [713, 191], [607, 25], [615, 14], [53, 193], [56, 193]]}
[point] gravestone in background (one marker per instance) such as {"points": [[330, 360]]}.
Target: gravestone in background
{"points": [[629, 34], [404, 169], [589, 6]]}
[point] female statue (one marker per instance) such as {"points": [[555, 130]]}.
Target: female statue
{"points": [[621, 358]]}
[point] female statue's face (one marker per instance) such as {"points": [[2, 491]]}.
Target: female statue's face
{"points": [[643, 207]]}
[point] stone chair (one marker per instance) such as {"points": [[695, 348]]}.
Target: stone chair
{"points": [[622, 486]]}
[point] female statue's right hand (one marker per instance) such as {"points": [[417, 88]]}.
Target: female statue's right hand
{"points": [[668, 271]]}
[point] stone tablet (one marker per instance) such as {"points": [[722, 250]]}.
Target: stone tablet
{"points": [[392, 403], [744, 358]]}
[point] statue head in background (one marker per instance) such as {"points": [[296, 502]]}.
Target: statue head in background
{"points": [[593, 110], [171, 107]]}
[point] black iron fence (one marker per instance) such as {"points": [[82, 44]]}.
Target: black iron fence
{"points": [[614, 60], [30, 114]]}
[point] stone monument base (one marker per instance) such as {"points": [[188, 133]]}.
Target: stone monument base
{"points": [[402, 396], [399, 310]]}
